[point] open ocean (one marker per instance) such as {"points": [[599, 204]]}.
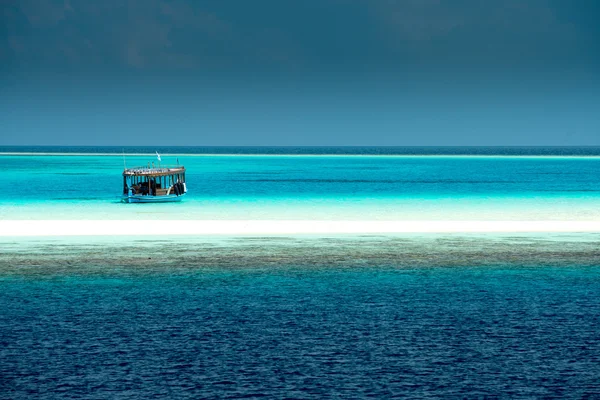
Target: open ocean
{"points": [[428, 315]]}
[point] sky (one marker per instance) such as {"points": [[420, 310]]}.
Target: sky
{"points": [[300, 73]]}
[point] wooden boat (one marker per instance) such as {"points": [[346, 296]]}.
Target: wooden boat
{"points": [[160, 184]]}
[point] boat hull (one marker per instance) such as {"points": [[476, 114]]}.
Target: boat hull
{"points": [[152, 199]]}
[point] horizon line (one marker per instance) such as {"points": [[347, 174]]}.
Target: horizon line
{"points": [[300, 146]]}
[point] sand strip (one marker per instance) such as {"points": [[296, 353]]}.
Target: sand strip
{"points": [[13, 228]]}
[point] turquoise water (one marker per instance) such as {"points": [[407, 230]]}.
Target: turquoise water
{"points": [[304, 187]]}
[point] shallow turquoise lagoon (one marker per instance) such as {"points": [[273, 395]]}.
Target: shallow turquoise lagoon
{"points": [[305, 187]]}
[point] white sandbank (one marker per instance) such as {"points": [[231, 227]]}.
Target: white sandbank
{"points": [[20, 228]]}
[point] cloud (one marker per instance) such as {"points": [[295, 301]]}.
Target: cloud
{"points": [[338, 35], [480, 33], [135, 34], [44, 13], [419, 20]]}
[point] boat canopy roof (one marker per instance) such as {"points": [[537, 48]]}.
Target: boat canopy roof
{"points": [[154, 171]]}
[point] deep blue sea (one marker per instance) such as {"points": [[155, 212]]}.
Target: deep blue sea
{"points": [[432, 316], [418, 316], [320, 150]]}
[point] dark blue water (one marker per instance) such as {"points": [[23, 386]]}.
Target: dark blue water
{"points": [[517, 317], [320, 150]]}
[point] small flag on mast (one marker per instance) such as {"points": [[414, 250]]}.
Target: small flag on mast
{"points": [[158, 156]]}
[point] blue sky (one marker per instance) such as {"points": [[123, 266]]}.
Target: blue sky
{"points": [[327, 72]]}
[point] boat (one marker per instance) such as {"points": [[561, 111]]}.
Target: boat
{"points": [[162, 184]]}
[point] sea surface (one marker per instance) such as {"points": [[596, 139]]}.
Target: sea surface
{"points": [[337, 316], [330, 183]]}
